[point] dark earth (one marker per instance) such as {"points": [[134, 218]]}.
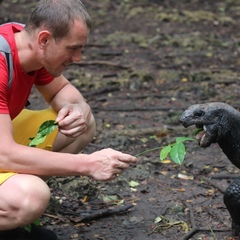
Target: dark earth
{"points": [[146, 62]]}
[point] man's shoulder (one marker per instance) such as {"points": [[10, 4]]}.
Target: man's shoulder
{"points": [[10, 27], [7, 31]]}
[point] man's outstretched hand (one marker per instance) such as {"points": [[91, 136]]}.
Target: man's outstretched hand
{"points": [[107, 164]]}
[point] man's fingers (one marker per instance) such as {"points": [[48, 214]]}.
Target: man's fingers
{"points": [[62, 114], [127, 158], [74, 132], [123, 165]]}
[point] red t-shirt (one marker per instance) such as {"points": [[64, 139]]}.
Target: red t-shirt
{"points": [[12, 101]]}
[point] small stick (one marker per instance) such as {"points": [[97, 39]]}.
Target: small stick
{"points": [[105, 213]]}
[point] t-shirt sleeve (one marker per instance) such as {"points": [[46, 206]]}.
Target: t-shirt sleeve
{"points": [[43, 77], [3, 85]]}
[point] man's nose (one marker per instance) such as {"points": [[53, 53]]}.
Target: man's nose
{"points": [[77, 56]]}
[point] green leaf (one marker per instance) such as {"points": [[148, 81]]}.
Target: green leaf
{"points": [[28, 228], [197, 130], [183, 139], [178, 152], [46, 128], [37, 140], [164, 152], [158, 219], [110, 198], [133, 184], [37, 222]]}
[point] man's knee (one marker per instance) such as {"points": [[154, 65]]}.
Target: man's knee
{"points": [[36, 194], [23, 199]]}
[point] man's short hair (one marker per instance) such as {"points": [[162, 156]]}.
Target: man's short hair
{"points": [[57, 16]]}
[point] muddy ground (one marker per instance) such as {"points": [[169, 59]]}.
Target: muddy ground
{"points": [[146, 62]]}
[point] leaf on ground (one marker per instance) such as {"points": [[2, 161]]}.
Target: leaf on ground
{"points": [[158, 219], [133, 184], [166, 161], [110, 198]]}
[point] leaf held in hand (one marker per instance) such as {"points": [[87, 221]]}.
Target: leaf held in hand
{"points": [[37, 140], [46, 128]]}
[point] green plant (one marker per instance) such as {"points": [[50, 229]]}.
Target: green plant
{"points": [[176, 150], [28, 227]]}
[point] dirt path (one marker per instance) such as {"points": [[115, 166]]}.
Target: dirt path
{"points": [[146, 62]]}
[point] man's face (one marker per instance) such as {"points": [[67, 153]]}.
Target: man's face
{"points": [[58, 55]]}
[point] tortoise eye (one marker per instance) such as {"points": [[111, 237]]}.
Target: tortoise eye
{"points": [[198, 113]]}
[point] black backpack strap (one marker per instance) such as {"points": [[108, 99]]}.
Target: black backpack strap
{"points": [[5, 50]]}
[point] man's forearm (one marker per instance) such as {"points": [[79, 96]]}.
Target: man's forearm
{"points": [[67, 95], [45, 163]]}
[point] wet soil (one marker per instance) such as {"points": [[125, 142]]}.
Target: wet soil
{"points": [[145, 63]]}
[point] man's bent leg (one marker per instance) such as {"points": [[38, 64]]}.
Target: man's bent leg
{"points": [[23, 199], [74, 145]]}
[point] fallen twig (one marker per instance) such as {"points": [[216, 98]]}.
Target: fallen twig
{"points": [[193, 224], [56, 217], [93, 216], [106, 212]]}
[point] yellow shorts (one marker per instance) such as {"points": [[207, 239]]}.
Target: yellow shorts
{"points": [[26, 125]]}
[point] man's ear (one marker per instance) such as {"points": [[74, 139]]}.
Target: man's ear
{"points": [[43, 38]]}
